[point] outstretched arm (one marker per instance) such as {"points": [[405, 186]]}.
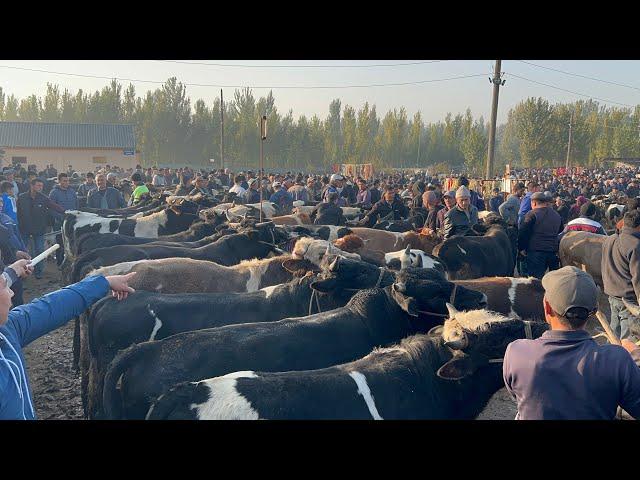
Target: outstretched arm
{"points": [[53, 310]]}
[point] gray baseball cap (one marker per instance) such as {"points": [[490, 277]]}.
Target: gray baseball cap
{"points": [[570, 287], [539, 197]]}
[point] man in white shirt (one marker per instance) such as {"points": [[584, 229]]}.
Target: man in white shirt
{"points": [[237, 188]]}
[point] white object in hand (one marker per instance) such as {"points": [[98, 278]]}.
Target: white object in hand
{"points": [[43, 255]]}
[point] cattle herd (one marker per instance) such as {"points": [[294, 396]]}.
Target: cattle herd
{"points": [[237, 318]]}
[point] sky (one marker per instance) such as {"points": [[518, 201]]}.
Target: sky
{"points": [[434, 99]]}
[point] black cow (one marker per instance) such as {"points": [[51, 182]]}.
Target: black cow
{"points": [[467, 257], [147, 316], [424, 377], [371, 318], [228, 250], [92, 241]]}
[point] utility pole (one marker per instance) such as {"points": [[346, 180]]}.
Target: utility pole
{"points": [[569, 145], [263, 137], [221, 130], [497, 82]]}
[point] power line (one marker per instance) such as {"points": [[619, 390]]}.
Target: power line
{"points": [[581, 76], [300, 66], [571, 91], [311, 87]]}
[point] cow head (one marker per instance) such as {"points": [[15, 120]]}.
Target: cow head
{"points": [[318, 252], [478, 336], [431, 291], [351, 273]]}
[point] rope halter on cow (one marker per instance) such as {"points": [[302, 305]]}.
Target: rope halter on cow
{"points": [[452, 299]]}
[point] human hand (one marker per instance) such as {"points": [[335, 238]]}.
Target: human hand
{"points": [[628, 345], [523, 253], [20, 255], [22, 268], [120, 285]]}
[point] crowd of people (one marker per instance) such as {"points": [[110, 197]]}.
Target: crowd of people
{"points": [[542, 205]]}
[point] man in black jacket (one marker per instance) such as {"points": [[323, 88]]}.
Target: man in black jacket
{"points": [[33, 218], [621, 275], [389, 204], [538, 236], [328, 213]]}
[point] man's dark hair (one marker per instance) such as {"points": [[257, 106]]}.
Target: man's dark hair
{"points": [[62, 175], [588, 209], [532, 184], [632, 219], [575, 317], [136, 177], [390, 188], [463, 181], [36, 180], [91, 175], [6, 186]]}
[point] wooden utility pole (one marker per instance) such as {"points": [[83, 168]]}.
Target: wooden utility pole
{"points": [[497, 82], [263, 137], [568, 163], [221, 130]]}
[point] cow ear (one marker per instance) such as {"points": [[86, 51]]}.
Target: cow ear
{"points": [[408, 304], [419, 262], [459, 367], [452, 310], [436, 331]]}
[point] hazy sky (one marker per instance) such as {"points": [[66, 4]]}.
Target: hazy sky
{"points": [[433, 99]]}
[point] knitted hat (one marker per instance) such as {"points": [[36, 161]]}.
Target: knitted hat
{"points": [[463, 192]]}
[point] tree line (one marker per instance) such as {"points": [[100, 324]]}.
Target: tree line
{"points": [[171, 130]]}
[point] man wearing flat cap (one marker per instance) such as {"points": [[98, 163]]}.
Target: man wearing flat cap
{"points": [[565, 374], [538, 238], [461, 218]]}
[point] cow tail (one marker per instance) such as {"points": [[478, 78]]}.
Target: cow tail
{"points": [[111, 397], [163, 406]]}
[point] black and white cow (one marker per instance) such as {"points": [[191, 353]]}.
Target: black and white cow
{"points": [[170, 220], [371, 318], [448, 376], [148, 316]]}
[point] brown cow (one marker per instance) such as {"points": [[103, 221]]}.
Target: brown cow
{"points": [[294, 219], [386, 242], [513, 297], [583, 250]]}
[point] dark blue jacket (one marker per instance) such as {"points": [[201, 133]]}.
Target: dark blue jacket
{"points": [[566, 375], [283, 199], [67, 199], [495, 203], [28, 322], [114, 199]]}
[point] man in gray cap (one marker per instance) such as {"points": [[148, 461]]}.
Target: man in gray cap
{"points": [[565, 374], [460, 219], [449, 200], [538, 236]]}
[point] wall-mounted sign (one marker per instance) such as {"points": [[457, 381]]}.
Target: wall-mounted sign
{"points": [[129, 152]]}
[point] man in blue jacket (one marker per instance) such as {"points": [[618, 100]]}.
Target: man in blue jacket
{"points": [[66, 197], [22, 325]]}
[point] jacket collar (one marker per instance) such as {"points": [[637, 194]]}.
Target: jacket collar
{"points": [[570, 335]]}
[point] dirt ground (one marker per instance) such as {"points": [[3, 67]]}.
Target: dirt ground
{"points": [[56, 386]]}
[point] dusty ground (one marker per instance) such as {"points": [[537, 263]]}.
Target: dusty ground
{"points": [[56, 387]]}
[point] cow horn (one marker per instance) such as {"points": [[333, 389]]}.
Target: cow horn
{"points": [[452, 310], [334, 265], [405, 258], [459, 343]]}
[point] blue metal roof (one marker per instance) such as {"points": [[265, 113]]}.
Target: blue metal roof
{"points": [[66, 135]]}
